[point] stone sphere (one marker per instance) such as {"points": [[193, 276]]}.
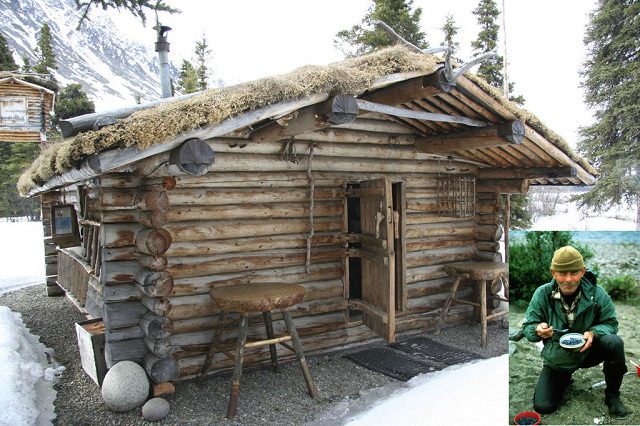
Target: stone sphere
{"points": [[125, 386], [155, 409]]}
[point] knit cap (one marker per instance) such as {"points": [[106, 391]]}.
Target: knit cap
{"points": [[567, 259]]}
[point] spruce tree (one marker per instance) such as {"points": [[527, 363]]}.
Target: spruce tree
{"points": [[202, 52], [487, 14], [7, 62], [14, 159], [26, 64], [611, 79], [360, 40], [450, 31], [45, 53], [72, 101], [188, 80], [136, 7]]}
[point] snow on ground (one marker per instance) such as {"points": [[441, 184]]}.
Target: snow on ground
{"points": [[28, 374], [21, 255], [27, 367], [471, 393]]}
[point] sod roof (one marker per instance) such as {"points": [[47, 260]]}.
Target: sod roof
{"points": [[156, 125]]}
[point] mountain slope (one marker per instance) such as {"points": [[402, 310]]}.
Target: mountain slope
{"points": [[111, 67]]}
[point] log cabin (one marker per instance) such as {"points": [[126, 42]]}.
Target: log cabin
{"points": [[26, 104], [359, 180]]}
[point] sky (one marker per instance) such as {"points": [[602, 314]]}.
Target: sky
{"points": [[250, 39]]}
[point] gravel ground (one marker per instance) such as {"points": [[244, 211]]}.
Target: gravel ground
{"points": [[265, 397]]}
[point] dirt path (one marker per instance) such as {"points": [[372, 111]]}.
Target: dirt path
{"points": [[583, 404]]}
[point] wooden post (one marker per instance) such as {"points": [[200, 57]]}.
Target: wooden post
{"points": [[507, 224]]}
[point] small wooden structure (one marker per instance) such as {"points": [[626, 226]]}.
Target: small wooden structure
{"points": [[26, 104], [359, 187]]}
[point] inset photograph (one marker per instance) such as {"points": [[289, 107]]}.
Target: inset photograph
{"points": [[574, 349]]}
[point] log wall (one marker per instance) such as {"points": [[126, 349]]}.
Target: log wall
{"points": [[38, 112]]}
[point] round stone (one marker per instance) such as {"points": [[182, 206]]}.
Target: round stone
{"points": [[155, 409], [125, 386]]}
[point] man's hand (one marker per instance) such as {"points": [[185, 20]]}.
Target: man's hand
{"points": [[588, 336], [543, 330]]}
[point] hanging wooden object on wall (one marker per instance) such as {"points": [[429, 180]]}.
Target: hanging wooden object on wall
{"points": [[64, 226], [456, 195]]}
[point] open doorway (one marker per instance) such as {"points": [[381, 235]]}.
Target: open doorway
{"points": [[374, 213]]}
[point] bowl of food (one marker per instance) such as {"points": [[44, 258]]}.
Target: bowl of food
{"points": [[572, 341], [527, 418]]}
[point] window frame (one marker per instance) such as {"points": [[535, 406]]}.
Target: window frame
{"points": [[15, 99]]}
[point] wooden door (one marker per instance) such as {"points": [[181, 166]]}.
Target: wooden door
{"points": [[376, 249]]}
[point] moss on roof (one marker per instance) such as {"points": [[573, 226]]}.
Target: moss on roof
{"points": [[165, 121], [37, 79]]}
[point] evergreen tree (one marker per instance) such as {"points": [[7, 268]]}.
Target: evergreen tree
{"points": [[397, 14], [450, 30], [26, 64], [72, 101], [135, 7], [46, 56], [188, 80], [15, 158], [611, 78], [202, 52], [487, 14], [6, 57]]}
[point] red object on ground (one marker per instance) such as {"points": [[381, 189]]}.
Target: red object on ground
{"points": [[529, 414], [638, 370]]}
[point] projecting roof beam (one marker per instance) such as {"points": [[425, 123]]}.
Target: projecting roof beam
{"points": [[511, 133], [528, 173], [418, 115], [340, 109]]}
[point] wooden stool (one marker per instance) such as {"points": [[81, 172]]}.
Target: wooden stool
{"points": [[481, 272], [263, 298]]}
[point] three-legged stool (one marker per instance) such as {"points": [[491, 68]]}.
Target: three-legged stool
{"points": [[481, 272], [247, 298]]}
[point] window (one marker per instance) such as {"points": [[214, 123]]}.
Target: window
{"points": [[13, 111], [456, 196]]}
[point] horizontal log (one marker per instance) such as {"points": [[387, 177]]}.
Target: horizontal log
{"points": [[121, 293], [425, 273], [123, 272], [434, 302], [511, 133], [231, 162], [252, 179], [158, 347], [489, 256], [346, 136], [126, 333], [527, 173], [503, 186], [291, 274], [428, 321], [156, 326], [256, 211], [435, 243], [152, 241], [249, 244], [223, 196], [462, 229], [124, 350], [488, 233], [123, 314], [214, 230], [118, 235], [154, 283], [149, 219], [134, 198], [327, 270], [434, 257], [190, 267], [154, 263], [490, 246], [161, 369], [431, 287]]}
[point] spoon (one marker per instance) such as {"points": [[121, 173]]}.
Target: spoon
{"points": [[564, 330]]}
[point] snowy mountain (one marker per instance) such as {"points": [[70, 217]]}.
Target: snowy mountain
{"points": [[111, 67]]}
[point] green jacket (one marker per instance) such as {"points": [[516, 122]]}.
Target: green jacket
{"points": [[595, 312]]}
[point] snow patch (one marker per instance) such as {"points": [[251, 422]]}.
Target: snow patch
{"points": [[28, 374]]}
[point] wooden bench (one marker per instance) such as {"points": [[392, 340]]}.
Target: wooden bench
{"points": [[247, 298], [481, 273]]}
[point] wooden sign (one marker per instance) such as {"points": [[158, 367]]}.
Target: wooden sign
{"points": [[64, 226]]}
